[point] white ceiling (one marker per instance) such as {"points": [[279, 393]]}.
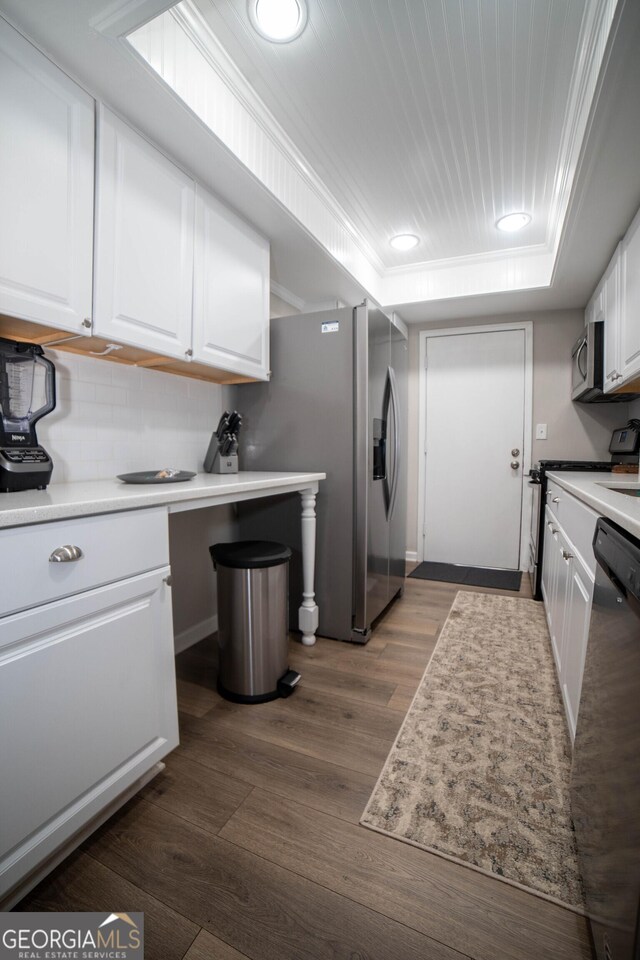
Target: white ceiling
{"points": [[424, 116], [432, 118]]}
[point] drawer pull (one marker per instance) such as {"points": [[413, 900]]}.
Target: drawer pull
{"points": [[66, 554]]}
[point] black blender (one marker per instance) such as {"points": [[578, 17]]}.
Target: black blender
{"points": [[27, 378]]}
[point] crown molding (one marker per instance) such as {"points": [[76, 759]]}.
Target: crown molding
{"points": [[590, 57]]}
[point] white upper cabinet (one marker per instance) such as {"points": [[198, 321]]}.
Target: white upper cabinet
{"points": [[609, 303], [630, 286], [144, 243], [231, 291], [46, 188]]}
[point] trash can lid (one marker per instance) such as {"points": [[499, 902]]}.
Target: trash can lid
{"points": [[250, 554]]}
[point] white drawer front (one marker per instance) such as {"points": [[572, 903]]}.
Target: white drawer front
{"points": [[579, 523], [114, 546], [555, 499]]}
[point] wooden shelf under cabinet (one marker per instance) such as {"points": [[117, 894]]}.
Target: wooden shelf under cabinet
{"points": [[26, 331]]}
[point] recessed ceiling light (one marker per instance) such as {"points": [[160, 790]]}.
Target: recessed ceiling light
{"points": [[278, 20], [404, 241], [513, 222]]}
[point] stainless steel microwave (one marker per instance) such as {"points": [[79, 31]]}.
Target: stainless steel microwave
{"points": [[587, 368]]}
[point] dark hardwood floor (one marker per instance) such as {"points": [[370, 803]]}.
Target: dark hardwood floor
{"points": [[248, 845]]}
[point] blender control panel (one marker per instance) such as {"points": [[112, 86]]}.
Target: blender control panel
{"points": [[25, 455]]}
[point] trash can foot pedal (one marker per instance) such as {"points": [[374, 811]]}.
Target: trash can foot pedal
{"points": [[288, 683]]}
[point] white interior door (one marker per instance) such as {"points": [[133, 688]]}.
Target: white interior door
{"points": [[475, 408]]}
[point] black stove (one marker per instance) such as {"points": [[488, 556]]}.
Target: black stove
{"points": [[538, 480], [582, 466]]}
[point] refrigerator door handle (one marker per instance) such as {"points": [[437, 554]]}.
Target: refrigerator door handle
{"points": [[387, 490], [396, 439]]}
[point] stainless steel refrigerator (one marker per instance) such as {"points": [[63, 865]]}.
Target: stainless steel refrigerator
{"points": [[336, 402]]}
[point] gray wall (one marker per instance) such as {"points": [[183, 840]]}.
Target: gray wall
{"points": [[575, 431], [193, 577]]}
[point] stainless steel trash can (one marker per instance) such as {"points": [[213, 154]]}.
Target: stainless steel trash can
{"points": [[253, 635]]}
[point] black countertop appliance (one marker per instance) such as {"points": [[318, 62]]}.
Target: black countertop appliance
{"points": [[27, 393]]}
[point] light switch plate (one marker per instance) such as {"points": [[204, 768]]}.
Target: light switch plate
{"points": [[541, 431]]}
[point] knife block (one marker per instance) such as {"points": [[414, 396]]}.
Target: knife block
{"points": [[215, 463], [225, 464]]}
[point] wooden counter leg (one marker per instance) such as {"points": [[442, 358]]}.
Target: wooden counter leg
{"points": [[308, 612]]}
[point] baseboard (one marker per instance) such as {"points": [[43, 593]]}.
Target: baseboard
{"points": [[196, 633], [411, 556]]}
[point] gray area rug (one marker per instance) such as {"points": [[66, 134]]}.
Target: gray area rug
{"points": [[479, 772]]}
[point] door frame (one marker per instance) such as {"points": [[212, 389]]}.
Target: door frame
{"points": [[527, 326]]}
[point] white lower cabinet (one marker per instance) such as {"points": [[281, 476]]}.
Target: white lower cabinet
{"points": [[87, 709], [577, 615], [567, 590]]}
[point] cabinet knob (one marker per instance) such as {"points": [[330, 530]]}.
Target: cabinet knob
{"points": [[553, 529], [66, 554], [514, 464], [566, 555], [515, 452], [188, 353], [556, 500]]}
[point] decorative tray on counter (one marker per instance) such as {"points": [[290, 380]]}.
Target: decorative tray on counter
{"points": [[156, 476]]}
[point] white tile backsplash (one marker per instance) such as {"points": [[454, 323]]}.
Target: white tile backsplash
{"points": [[111, 418]]}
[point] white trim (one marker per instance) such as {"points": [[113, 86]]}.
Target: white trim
{"points": [[196, 28], [583, 96], [527, 326], [399, 324], [196, 633], [279, 291], [411, 556], [124, 16]]}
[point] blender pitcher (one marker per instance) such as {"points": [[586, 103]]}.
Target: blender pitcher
{"points": [[27, 379]]}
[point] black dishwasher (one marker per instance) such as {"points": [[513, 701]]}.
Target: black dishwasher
{"points": [[605, 774]]}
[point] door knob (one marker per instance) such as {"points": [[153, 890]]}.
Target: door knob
{"points": [[515, 464], [515, 452]]}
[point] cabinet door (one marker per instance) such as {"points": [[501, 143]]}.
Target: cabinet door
{"points": [[610, 285], [87, 706], [549, 581], [144, 243], [576, 633], [559, 602], [46, 189], [630, 303], [231, 292]]}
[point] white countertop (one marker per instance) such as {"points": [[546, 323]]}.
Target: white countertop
{"points": [[63, 500], [592, 488]]}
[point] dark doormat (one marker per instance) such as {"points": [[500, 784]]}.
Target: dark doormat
{"points": [[471, 576]]}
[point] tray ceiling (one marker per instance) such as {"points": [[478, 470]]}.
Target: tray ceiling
{"points": [[426, 117], [386, 116], [432, 118]]}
